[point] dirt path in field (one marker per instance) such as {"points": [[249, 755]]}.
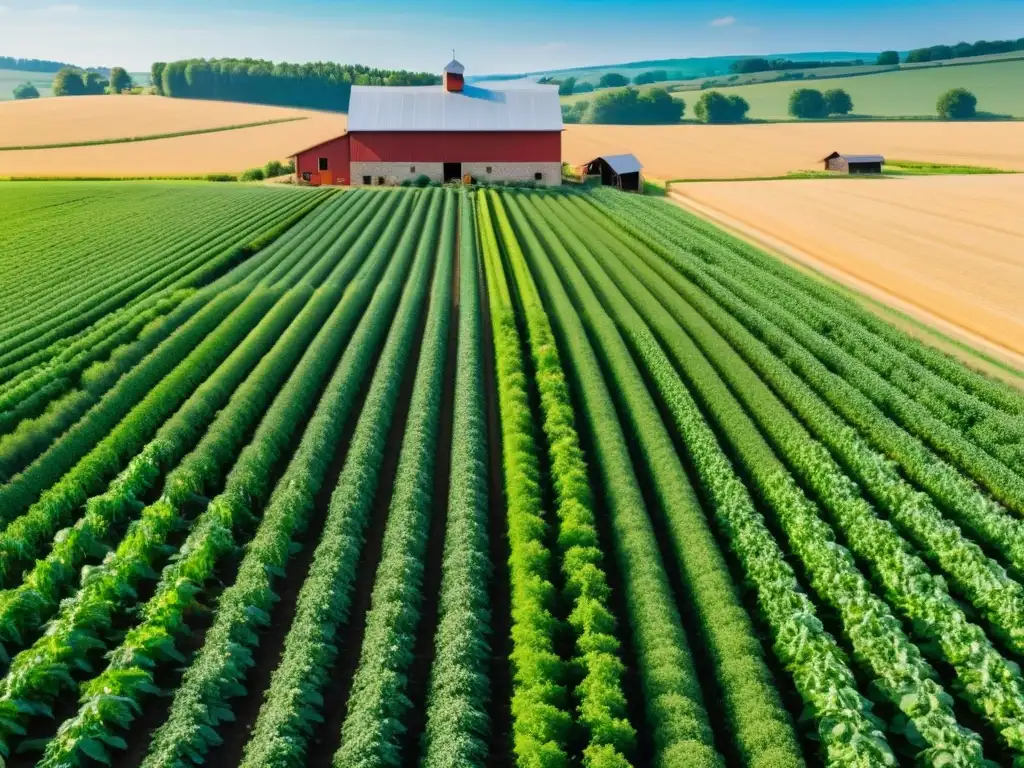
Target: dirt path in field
{"points": [[497, 534], [960, 308], [424, 649]]}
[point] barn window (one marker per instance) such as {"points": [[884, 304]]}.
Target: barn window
{"points": [[367, 181], [489, 169], [323, 164], [380, 181], [307, 176], [538, 176], [412, 169]]}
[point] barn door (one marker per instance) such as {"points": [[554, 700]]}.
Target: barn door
{"points": [[325, 178]]}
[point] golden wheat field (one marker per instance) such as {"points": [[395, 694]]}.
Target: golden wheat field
{"points": [[90, 118], [739, 151], [949, 248]]}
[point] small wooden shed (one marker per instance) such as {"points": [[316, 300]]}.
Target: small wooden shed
{"points": [[844, 163], [622, 171]]}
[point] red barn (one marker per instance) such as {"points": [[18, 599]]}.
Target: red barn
{"points": [[506, 131]]}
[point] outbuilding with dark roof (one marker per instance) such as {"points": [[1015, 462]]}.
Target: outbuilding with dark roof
{"points": [[846, 163], [508, 131]]}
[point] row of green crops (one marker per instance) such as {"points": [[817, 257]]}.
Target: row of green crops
{"points": [[598, 670], [541, 722], [219, 439], [218, 674], [748, 263], [872, 641], [212, 538], [754, 711], [976, 458], [294, 698], [458, 724], [939, 623], [700, 510], [118, 244]]}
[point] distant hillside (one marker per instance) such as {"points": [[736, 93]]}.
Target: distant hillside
{"points": [[906, 92], [710, 66]]}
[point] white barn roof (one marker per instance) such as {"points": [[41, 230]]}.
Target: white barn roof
{"points": [[515, 107]]}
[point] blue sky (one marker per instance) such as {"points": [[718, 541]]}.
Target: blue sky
{"points": [[489, 36]]}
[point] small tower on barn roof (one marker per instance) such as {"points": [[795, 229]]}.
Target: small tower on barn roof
{"points": [[453, 76]]}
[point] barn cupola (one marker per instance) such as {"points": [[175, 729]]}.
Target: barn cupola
{"points": [[453, 77]]}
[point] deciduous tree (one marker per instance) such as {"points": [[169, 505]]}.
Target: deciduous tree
{"points": [[957, 104], [807, 103], [119, 80], [716, 107], [838, 102]]}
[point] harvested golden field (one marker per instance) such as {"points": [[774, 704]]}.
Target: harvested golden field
{"points": [[93, 118], [738, 151], [946, 249], [227, 151]]}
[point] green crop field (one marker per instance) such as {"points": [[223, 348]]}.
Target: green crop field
{"points": [[11, 78], [906, 93], [482, 477]]}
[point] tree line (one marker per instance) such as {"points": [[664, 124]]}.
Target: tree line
{"points": [[757, 64], [318, 85], [31, 65], [960, 50], [655, 106], [71, 81]]}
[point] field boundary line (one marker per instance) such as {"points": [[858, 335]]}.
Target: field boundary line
{"points": [[971, 347], [151, 136]]}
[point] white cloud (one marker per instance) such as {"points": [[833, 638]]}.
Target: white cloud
{"points": [[725, 21], [60, 9]]}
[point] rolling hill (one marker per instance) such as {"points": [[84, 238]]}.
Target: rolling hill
{"points": [[902, 93], [694, 67], [909, 90]]}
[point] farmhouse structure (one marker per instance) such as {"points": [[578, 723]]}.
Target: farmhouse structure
{"points": [[843, 163], [622, 171], [506, 131]]}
